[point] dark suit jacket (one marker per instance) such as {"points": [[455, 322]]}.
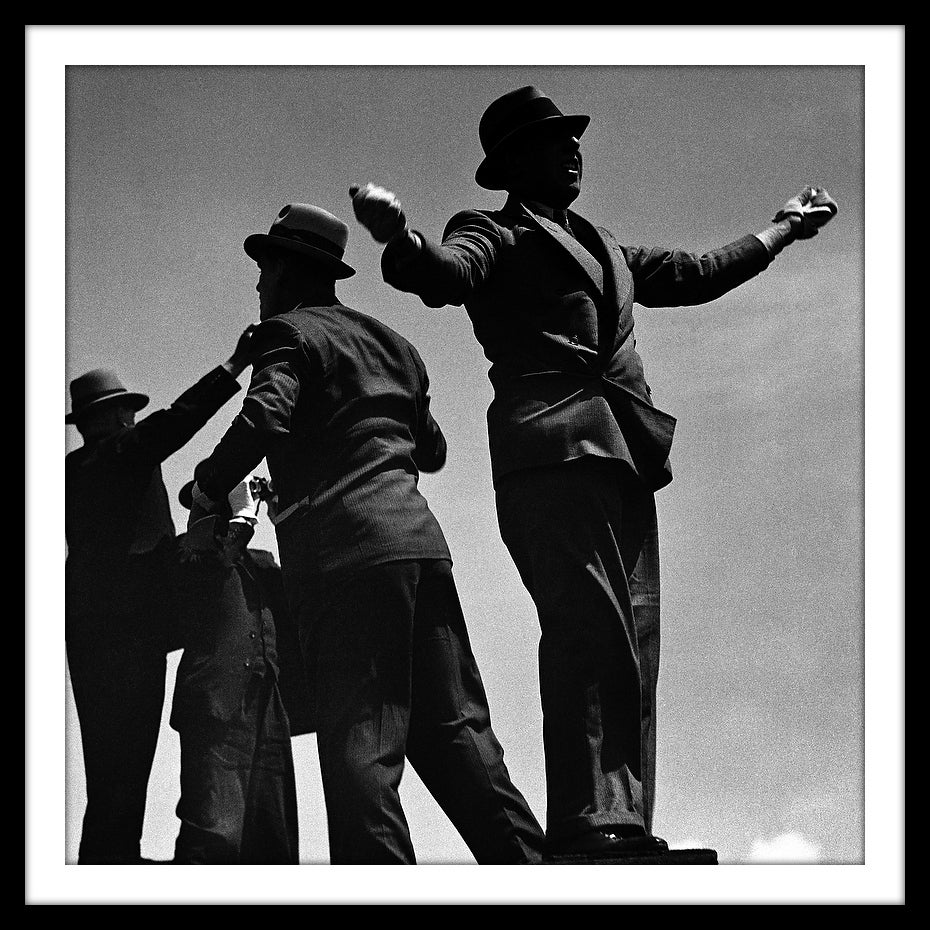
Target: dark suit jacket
{"points": [[554, 315], [118, 524], [233, 619], [339, 405]]}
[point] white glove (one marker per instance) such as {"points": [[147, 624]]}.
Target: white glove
{"points": [[243, 502], [379, 211], [808, 211]]}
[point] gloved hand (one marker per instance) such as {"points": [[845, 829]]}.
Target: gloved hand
{"points": [[379, 211], [244, 500], [808, 211]]}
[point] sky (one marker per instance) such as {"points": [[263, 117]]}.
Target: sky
{"points": [[173, 152]]}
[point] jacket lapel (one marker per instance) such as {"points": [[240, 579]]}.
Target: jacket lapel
{"points": [[613, 274], [586, 261]]}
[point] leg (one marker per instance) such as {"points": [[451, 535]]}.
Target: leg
{"points": [[270, 828], [645, 597], [574, 531], [360, 637], [451, 744], [119, 692], [215, 764]]}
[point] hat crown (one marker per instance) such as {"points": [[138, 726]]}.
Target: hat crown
{"points": [[100, 387], [511, 112], [309, 231], [310, 224], [509, 117], [101, 382]]}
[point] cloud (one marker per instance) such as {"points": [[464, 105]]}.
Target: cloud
{"points": [[788, 847]]}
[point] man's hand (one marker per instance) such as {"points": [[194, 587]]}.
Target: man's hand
{"points": [[242, 354], [243, 351], [808, 211], [379, 211], [244, 500]]}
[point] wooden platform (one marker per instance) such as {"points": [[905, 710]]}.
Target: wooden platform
{"points": [[671, 857]]}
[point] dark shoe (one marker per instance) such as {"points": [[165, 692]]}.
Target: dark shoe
{"points": [[606, 843]]}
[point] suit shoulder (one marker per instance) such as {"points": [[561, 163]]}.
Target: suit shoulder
{"points": [[278, 330], [487, 219]]}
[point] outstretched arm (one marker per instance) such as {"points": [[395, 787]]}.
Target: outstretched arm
{"points": [[674, 278]]}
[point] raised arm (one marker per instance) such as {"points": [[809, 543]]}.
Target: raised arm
{"points": [[163, 432], [266, 412], [439, 274]]}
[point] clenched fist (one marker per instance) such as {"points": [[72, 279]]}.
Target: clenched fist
{"points": [[808, 211], [379, 211]]}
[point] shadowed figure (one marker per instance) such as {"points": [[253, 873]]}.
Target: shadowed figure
{"points": [[120, 611]]}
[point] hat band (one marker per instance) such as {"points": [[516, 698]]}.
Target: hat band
{"points": [[308, 238], [97, 395], [529, 112]]}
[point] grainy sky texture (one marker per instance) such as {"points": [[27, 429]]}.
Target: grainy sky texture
{"points": [[168, 167]]}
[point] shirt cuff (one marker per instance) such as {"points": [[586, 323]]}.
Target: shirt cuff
{"points": [[776, 237]]}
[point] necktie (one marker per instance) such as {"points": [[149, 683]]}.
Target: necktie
{"points": [[561, 217]]}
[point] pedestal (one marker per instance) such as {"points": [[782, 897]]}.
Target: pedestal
{"points": [[669, 857]]}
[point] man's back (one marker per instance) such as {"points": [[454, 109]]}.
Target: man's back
{"points": [[344, 401]]}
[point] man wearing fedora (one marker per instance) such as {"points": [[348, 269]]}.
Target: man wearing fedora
{"points": [[238, 801], [338, 404], [119, 587], [577, 446]]}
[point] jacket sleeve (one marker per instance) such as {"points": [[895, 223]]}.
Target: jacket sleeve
{"points": [[429, 454], [446, 274], [160, 434], [278, 363], [674, 278]]}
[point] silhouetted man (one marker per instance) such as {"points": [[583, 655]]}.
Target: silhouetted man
{"points": [[577, 446], [119, 584], [339, 405]]}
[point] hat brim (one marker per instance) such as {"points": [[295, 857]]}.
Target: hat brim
{"points": [[258, 243], [489, 174], [128, 398]]}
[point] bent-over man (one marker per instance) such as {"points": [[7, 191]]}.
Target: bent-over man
{"points": [[238, 801]]}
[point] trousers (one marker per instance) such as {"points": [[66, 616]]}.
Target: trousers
{"points": [[396, 680], [119, 691], [583, 536], [238, 800]]}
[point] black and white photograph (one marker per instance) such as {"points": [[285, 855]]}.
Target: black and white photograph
{"points": [[483, 446]]}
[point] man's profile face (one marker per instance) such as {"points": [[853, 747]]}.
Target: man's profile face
{"points": [[104, 421], [271, 270], [545, 164]]}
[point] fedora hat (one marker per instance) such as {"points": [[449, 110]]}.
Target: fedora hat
{"points": [[98, 388], [510, 116], [309, 231]]}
